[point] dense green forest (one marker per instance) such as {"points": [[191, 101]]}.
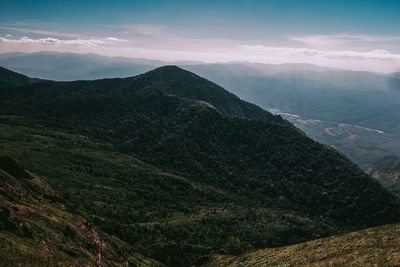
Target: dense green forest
{"points": [[179, 168]]}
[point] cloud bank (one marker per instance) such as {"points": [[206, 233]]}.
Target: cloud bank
{"points": [[59, 42], [343, 40], [175, 48], [376, 60]]}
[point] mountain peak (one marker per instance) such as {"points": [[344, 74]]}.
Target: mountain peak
{"points": [[168, 68], [173, 71], [179, 82]]}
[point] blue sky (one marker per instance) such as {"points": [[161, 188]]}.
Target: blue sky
{"points": [[351, 34]]}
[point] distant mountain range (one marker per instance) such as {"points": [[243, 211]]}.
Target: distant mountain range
{"points": [[69, 66], [180, 168]]}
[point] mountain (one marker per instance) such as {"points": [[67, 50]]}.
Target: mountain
{"points": [[113, 97], [369, 247], [180, 168], [39, 228], [69, 66]]}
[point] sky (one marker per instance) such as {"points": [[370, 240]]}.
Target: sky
{"points": [[352, 34]]}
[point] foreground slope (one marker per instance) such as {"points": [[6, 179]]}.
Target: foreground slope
{"points": [[377, 246], [180, 168], [38, 227]]}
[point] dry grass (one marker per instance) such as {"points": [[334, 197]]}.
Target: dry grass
{"points": [[41, 260], [379, 246]]}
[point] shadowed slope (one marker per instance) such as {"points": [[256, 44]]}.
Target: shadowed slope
{"points": [[38, 227]]}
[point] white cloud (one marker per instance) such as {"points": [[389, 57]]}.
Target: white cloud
{"points": [[376, 60], [339, 41], [114, 39], [307, 52], [59, 42], [43, 32]]}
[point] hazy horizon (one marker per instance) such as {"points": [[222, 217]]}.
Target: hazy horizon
{"points": [[354, 35]]}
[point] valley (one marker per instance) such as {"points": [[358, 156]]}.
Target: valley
{"points": [[362, 145]]}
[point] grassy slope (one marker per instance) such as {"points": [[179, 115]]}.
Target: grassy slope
{"points": [[38, 228], [377, 246]]}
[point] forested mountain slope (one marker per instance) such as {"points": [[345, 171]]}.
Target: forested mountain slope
{"points": [[180, 168], [356, 112]]}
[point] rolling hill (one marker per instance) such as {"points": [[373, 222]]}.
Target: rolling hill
{"points": [[180, 168]]}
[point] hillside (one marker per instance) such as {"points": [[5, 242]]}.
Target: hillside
{"points": [[387, 172], [38, 227], [370, 247], [10, 78], [318, 99], [180, 168]]}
